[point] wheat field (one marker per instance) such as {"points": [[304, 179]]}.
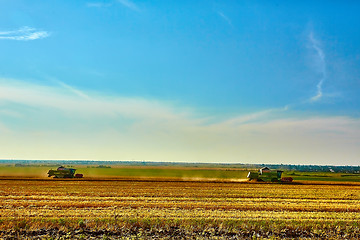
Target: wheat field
{"points": [[160, 208]]}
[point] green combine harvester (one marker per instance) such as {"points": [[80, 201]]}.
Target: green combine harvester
{"points": [[63, 172], [266, 175]]}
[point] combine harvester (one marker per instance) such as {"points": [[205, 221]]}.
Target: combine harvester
{"points": [[63, 172], [266, 175]]}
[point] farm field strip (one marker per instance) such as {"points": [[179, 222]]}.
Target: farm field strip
{"points": [[195, 206], [111, 212], [182, 195], [186, 203], [239, 200], [175, 173]]}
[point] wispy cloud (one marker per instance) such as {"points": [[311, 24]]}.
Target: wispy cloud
{"points": [[24, 34], [126, 3], [54, 123], [71, 89], [98, 4], [226, 18], [3, 128], [254, 117], [40, 96], [320, 64], [129, 4]]}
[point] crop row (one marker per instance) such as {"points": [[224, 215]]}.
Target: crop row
{"points": [[190, 190], [310, 209], [246, 204], [128, 212]]}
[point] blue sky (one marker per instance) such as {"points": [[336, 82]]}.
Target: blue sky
{"points": [[190, 81]]}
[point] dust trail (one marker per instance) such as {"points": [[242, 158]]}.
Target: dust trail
{"points": [[321, 66]]}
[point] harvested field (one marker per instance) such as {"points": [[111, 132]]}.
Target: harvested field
{"points": [[42, 208]]}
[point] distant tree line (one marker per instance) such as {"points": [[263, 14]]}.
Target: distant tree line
{"points": [[107, 164]]}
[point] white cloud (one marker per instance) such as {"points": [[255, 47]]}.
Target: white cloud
{"points": [[320, 64], [226, 18], [3, 128], [48, 122], [255, 117], [126, 3], [98, 4], [71, 89], [24, 34], [64, 99], [129, 4]]}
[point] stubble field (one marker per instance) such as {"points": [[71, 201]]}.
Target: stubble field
{"points": [[176, 209]]}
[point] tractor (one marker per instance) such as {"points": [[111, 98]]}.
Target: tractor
{"points": [[63, 172]]}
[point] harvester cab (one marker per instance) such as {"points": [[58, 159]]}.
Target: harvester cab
{"points": [[63, 172]]}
